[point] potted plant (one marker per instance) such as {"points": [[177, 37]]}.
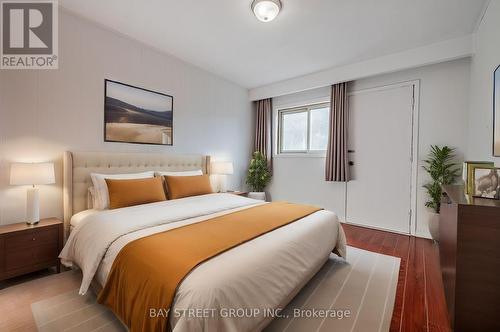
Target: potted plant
{"points": [[443, 170], [258, 176]]}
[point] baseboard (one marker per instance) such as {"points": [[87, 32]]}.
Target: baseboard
{"points": [[423, 235], [375, 228]]}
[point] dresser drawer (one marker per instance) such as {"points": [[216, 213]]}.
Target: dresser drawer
{"points": [[45, 253], [31, 256], [28, 239], [18, 259]]}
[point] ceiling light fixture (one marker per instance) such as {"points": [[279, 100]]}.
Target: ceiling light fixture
{"points": [[266, 10]]}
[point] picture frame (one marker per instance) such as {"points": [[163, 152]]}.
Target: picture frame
{"points": [[486, 182], [136, 115], [496, 112], [468, 173]]}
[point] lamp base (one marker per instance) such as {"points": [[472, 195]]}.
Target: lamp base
{"points": [[32, 206], [222, 183]]}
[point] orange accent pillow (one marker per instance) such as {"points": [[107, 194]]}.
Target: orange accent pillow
{"points": [[185, 186], [123, 193]]}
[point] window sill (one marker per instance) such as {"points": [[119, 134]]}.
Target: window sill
{"points": [[299, 155]]}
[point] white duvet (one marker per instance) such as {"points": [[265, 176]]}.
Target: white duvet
{"points": [[238, 287]]}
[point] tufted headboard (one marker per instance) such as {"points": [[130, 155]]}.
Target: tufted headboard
{"points": [[79, 165]]}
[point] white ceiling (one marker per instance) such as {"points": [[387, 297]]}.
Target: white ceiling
{"points": [[223, 36]]}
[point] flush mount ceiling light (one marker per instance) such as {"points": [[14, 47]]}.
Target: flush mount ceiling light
{"points": [[266, 10]]}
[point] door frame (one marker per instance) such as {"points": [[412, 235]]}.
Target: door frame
{"points": [[414, 153]]}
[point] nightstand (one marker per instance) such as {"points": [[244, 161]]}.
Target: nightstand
{"points": [[238, 193], [28, 248]]}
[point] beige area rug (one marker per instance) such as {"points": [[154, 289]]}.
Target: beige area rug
{"points": [[357, 295], [72, 312]]}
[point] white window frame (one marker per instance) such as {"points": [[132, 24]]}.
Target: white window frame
{"points": [[300, 109]]}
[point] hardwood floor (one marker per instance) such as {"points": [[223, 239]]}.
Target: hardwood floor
{"points": [[420, 302]]}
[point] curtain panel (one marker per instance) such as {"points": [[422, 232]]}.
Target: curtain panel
{"points": [[337, 160], [263, 129]]}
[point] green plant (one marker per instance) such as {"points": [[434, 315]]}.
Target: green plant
{"points": [[443, 170], [258, 173]]}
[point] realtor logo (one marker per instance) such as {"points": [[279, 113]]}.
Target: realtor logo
{"points": [[29, 35]]}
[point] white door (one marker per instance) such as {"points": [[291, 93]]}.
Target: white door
{"points": [[380, 145]]}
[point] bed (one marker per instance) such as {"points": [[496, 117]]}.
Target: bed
{"points": [[246, 283]]}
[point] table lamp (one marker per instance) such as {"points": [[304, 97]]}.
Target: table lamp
{"points": [[222, 168], [32, 174]]}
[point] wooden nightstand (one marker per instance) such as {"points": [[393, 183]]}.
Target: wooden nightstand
{"points": [[238, 193], [25, 248]]}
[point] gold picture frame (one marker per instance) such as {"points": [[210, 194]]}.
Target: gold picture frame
{"points": [[468, 173]]}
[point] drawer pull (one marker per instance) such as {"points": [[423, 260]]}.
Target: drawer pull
{"points": [[33, 239]]}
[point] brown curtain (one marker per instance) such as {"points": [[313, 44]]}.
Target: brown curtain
{"points": [[263, 127], [337, 162]]}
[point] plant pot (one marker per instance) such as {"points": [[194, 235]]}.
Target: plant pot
{"points": [[257, 195], [434, 226]]}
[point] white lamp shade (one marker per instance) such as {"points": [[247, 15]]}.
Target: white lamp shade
{"points": [[222, 168], [31, 174]]}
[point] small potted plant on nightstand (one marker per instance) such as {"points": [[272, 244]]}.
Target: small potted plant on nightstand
{"points": [[258, 176], [443, 170]]}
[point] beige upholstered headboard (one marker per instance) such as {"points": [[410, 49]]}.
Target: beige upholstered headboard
{"points": [[79, 165]]}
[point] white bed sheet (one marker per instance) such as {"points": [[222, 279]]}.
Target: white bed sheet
{"points": [[77, 218], [261, 274]]}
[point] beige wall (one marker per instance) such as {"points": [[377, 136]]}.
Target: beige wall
{"points": [[45, 112]]}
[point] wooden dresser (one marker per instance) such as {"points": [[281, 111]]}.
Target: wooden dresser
{"points": [[25, 248], [470, 260]]}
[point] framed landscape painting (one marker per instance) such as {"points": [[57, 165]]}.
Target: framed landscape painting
{"points": [[137, 115], [496, 112]]}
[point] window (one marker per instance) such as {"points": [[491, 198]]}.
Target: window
{"points": [[303, 129]]}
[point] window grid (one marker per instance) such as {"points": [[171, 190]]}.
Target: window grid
{"points": [[302, 109]]}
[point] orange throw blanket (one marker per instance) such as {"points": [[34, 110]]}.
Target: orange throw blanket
{"points": [[147, 271]]}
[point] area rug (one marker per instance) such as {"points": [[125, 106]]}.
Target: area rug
{"points": [[357, 295]]}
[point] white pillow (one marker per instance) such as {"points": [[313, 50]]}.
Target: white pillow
{"points": [[101, 196], [181, 173]]}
